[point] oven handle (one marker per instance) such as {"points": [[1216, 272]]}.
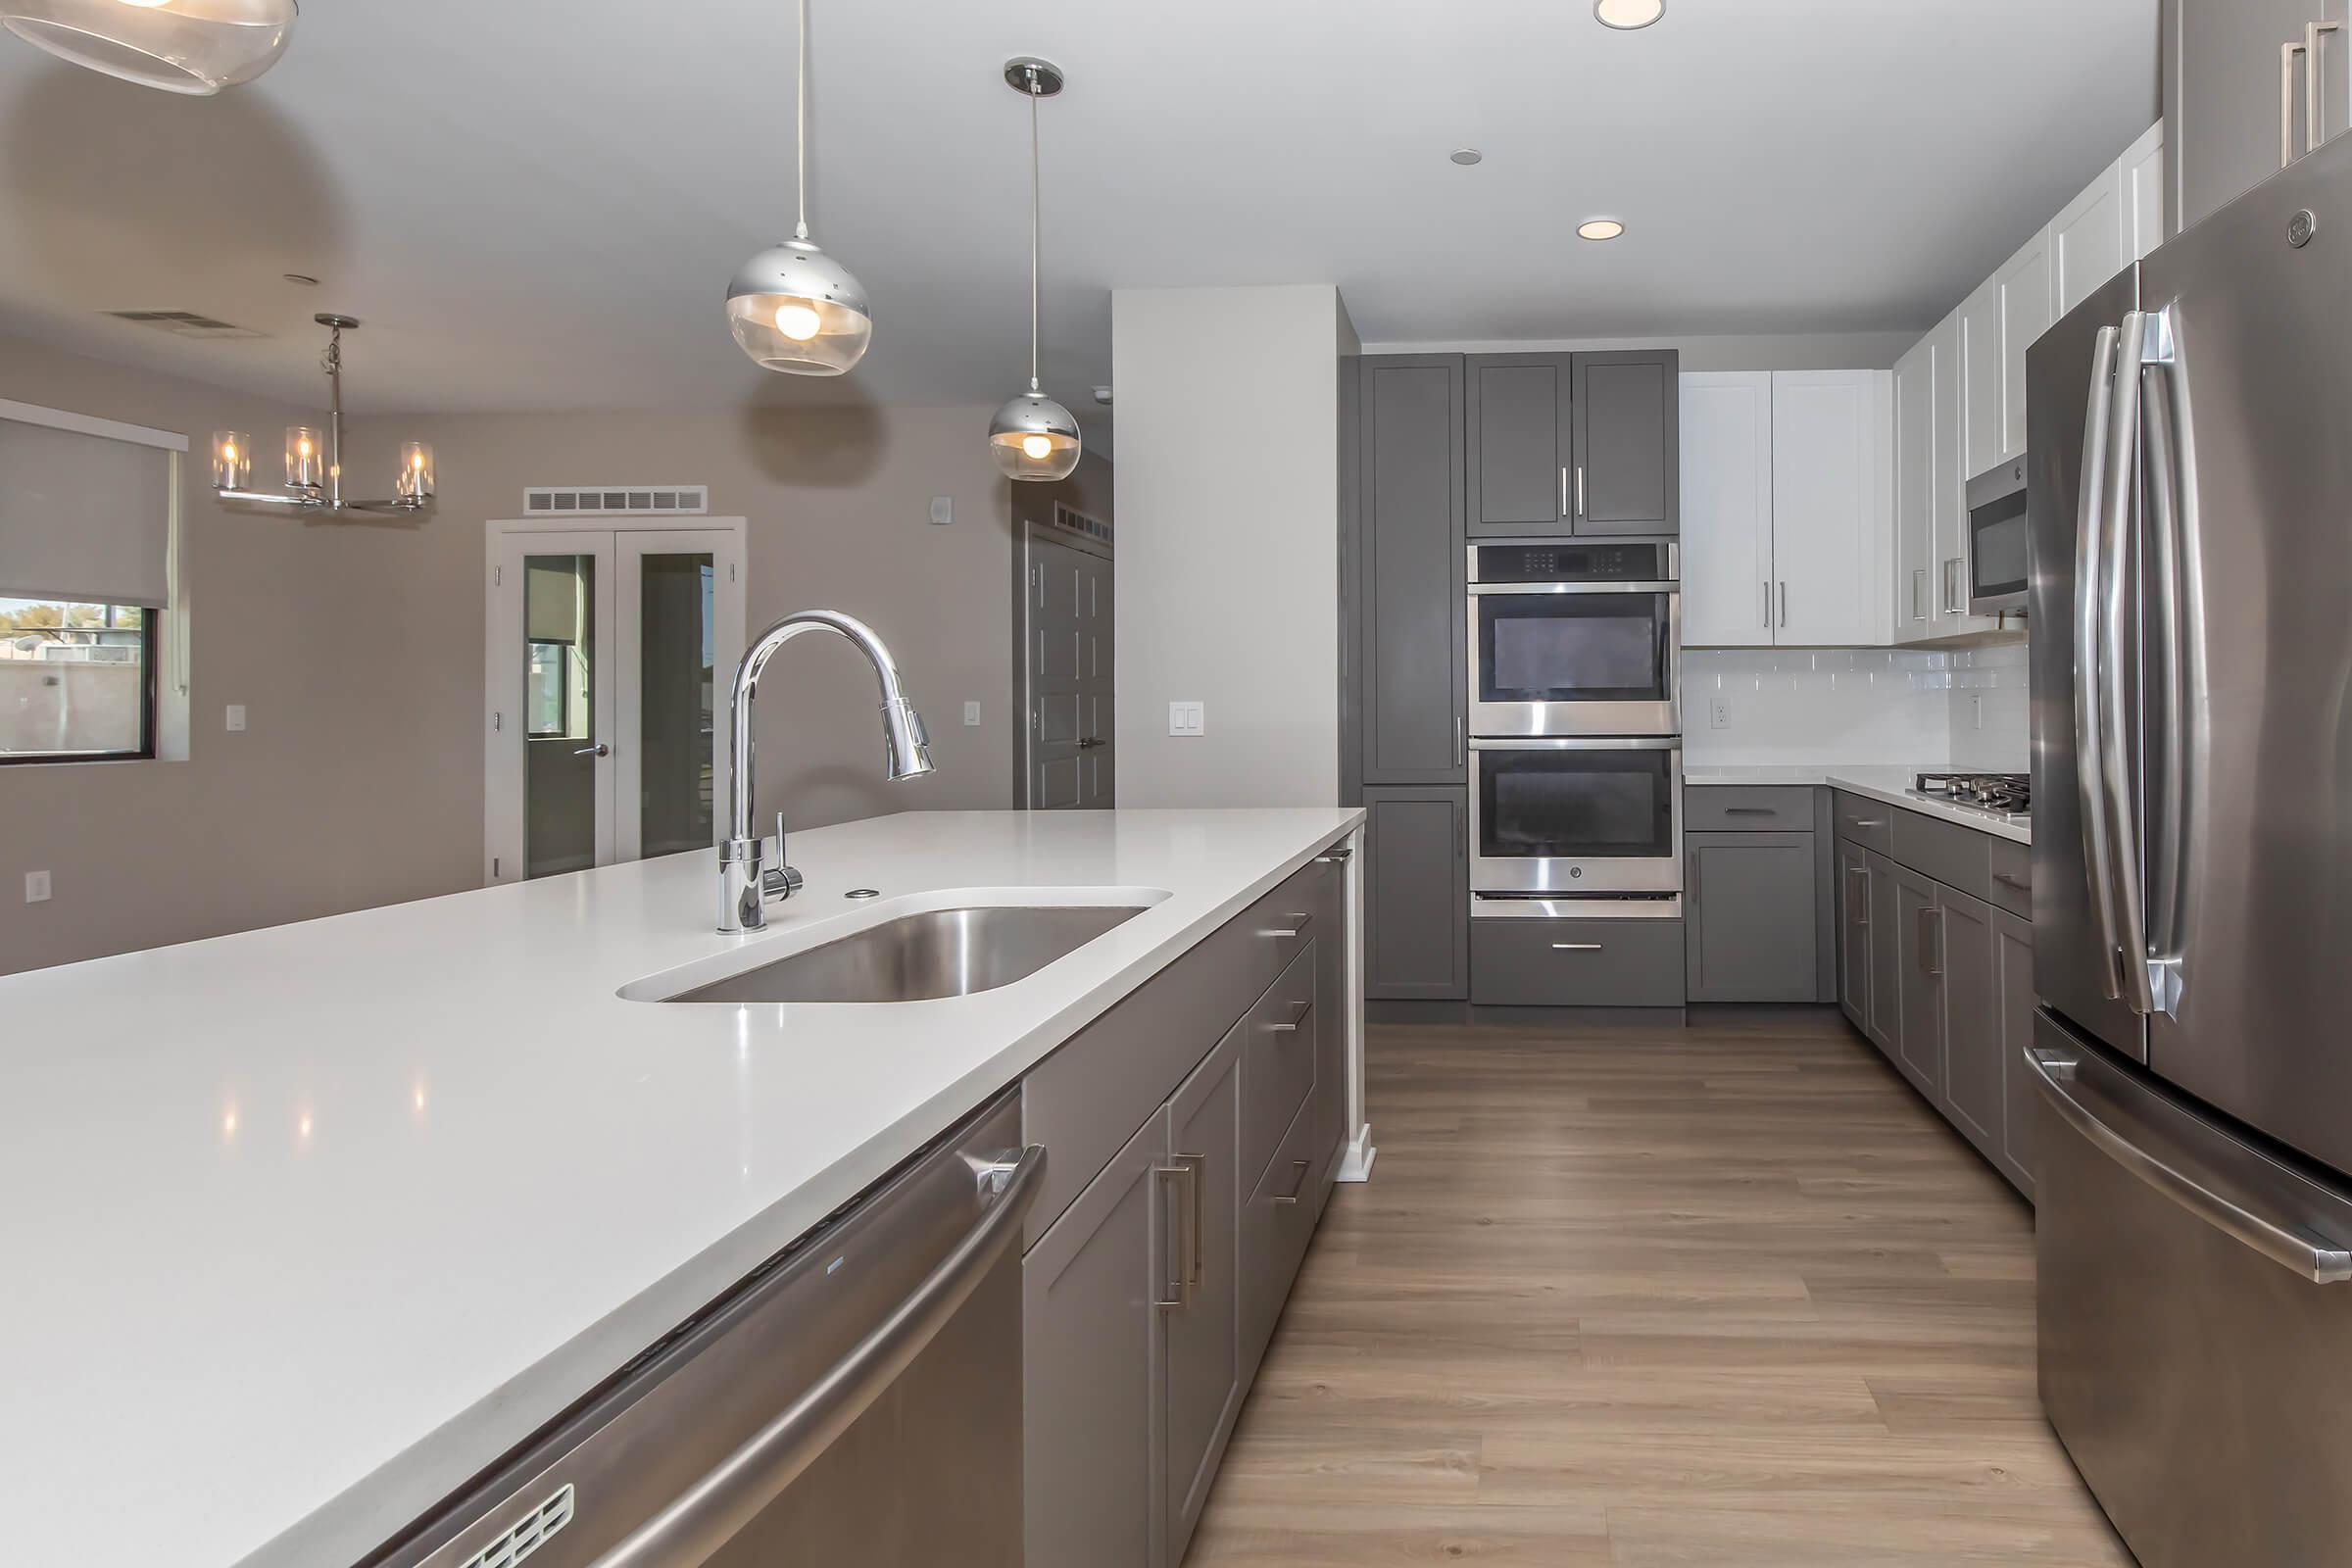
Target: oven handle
{"points": [[1481, 590], [704, 1518]]}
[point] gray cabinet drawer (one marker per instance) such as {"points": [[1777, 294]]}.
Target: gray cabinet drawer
{"points": [[1865, 821], [1277, 1042], [2011, 866], [1747, 808], [1955, 856], [1277, 1222], [1576, 964], [1090, 1096]]}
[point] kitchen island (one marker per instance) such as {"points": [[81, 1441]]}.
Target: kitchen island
{"points": [[309, 1225]]}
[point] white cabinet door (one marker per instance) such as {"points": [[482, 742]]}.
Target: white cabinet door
{"points": [[1827, 505], [2088, 238], [1948, 582], [1914, 490], [2143, 194], [2028, 290], [1727, 437], [1980, 376]]}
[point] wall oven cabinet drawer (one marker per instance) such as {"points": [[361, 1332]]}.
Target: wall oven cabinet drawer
{"points": [[1576, 964], [1865, 821], [2012, 867], [1747, 808]]}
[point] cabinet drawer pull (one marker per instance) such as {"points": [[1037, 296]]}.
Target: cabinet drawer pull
{"points": [[1576, 947], [1195, 1186], [1298, 925], [1865, 821], [2016, 882], [1177, 1278], [1749, 810], [1299, 1170], [1861, 907], [1296, 1018]]}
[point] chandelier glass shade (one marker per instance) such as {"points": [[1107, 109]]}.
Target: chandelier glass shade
{"points": [[185, 46]]}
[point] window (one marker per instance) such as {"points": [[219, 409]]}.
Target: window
{"points": [[77, 681], [547, 690]]}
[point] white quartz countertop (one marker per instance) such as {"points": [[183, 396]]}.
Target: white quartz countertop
{"points": [[306, 1225], [1888, 782]]}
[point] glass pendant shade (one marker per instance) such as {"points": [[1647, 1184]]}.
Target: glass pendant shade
{"points": [[186, 46], [794, 308], [415, 481], [1034, 437], [306, 456], [233, 460]]}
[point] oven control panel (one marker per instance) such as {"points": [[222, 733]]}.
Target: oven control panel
{"points": [[1580, 560]]}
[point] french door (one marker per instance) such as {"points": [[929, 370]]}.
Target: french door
{"points": [[606, 668]]}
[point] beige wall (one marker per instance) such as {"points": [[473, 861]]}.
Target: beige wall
{"points": [[357, 652]]}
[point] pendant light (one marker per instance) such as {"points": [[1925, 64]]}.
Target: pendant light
{"points": [[195, 47], [1032, 436], [792, 308]]}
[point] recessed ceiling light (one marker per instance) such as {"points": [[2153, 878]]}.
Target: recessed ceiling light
{"points": [[1599, 228], [1466, 156], [1627, 14]]}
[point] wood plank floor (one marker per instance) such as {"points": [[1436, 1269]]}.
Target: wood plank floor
{"points": [[1730, 1295]]}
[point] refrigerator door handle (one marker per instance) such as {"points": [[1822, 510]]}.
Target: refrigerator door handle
{"points": [[2124, 901], [2109, 1127], [2171, 524], [2091, 511]]}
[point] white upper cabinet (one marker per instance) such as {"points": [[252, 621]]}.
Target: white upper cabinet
{"points": [[2088, 238], [1787, 483], [1728, 598], [1915, 490], [1949, 581], [2143, 193], [1980, 369], [1831, 483], [2027, 292]]}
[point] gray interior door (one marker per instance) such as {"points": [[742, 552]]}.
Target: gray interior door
{"points": [[1627, 427], [2223, 94], [1517, 435], [1413, 622], [1072, 725]]}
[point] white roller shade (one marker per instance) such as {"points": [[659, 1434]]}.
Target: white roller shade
{"points": [[83, 517]]}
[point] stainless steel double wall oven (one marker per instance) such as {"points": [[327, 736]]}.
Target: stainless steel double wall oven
{"points": [[1575, 720]]}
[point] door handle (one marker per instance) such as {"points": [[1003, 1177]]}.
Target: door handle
{"points": [[1459, 740], [600, 748], [2130, 949], [2287, 52], [1090, 742], [1299, 1170], [2016, 882], [1176, 1275], [2089, 517], [1564, 512], [1579, 492], [1576, 947], [1862, 906], [1784, 604], [1298, 925], [1768, 604], [1197, 1166]]}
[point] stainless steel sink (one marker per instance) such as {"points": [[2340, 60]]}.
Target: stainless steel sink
{"points": [[923, 958]]}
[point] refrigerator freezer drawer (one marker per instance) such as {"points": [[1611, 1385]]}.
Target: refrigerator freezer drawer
{"points": [[2192, 1359]]}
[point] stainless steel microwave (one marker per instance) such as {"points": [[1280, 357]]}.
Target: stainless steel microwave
{"points": [[1996, 540]]}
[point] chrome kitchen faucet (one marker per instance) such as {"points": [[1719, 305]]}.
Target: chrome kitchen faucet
{"points": [[744, 885]]}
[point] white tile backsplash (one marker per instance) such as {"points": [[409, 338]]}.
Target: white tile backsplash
{"points": [[1906, 705]]}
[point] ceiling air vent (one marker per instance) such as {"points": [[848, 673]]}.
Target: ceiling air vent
{"points": [[567, 500], [527, 1534], [185, 323]]}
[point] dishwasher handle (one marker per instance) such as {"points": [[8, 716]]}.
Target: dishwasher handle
{"points": [[694, 1526]]}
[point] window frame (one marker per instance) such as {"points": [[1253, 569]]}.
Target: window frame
{"points": [[150, 691]]}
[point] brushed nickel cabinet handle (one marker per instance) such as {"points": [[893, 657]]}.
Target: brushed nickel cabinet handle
{"points": [[2314, 132], [1930, 960], [1862, 908], [1198, 1164], [2287, 52], [1564, 512], [1576, 947], [1298, 925], [1296, 1018], [1299, 1170]]}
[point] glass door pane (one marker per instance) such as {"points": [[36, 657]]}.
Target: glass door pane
{"points": [[677, 702], [560, 702]]}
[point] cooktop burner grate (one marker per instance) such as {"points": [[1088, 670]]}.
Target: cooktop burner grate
{"points": [[1991, 792]]}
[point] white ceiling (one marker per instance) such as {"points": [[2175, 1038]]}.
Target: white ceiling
{"points": [[539, 205]]}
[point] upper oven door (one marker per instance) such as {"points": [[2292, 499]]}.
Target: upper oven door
{"points": [[1575, 659], [1996, 540], [1576, 816]]}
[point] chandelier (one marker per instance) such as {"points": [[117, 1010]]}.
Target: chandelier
{"points": [[315, 463]]}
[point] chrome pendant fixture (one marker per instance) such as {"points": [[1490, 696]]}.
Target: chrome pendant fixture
{"points": [[195, 47], [792, 308], [314, 459], [1032, 436]]}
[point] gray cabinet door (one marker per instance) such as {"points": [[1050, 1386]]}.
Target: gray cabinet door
{"points": [[1750, 917], [1416, 896], [2221, 95], [1516, 443], [1885, 957], [1412, 561], [2013, 983], [1201, 1365], [1919, 982], [1975, 1095], [1626, 415], [1854, 933], [1091, 1371]]}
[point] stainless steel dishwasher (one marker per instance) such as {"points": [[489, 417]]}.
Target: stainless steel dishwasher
{"points": [[857, 1401]]}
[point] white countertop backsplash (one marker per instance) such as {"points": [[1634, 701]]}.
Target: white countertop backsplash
{"points": [[307, 1225], [1877, 707]]}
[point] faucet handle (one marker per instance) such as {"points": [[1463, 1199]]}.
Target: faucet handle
{"points": [[781, 881]]}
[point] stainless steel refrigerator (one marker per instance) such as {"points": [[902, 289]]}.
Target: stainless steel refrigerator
{"points": [[2191, 506]]}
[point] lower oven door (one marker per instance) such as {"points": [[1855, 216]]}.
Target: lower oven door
{"points": [[857, 1401], [1576, 816]]}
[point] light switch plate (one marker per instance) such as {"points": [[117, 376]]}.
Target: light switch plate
{"points": [[236, 716], [1976, 710], [971, 712], [943, 511], [1187, 719], [36, 887]]}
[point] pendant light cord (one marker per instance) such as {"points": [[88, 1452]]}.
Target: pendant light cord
{"points": [[1033, 202], [801, 230]]}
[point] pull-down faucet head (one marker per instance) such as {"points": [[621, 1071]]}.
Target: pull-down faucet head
{"points": [[745, 884]]}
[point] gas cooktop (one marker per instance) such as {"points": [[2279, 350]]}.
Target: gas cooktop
{"points": [[2005, 794]]}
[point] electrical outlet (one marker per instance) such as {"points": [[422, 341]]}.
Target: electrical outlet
{"points": [[36, 887], [1187, 719], [236, 716], [1719, 713], [1976, 710], [971, 712]]}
